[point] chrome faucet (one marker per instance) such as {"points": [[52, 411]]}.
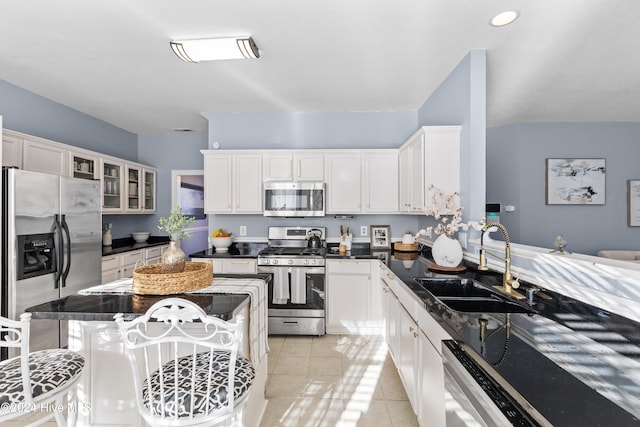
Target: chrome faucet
{"points": [[508, 282]]}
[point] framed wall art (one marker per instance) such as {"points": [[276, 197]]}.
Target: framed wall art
{"points": [[575, 181], [380, 236], [633, 202]]}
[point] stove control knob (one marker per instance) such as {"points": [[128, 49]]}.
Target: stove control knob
{"points": [[266, 261], [275, 261], [306, 261], [290, 262]]}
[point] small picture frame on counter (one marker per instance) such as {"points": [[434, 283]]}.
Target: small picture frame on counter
{"points": [[380, 236]]}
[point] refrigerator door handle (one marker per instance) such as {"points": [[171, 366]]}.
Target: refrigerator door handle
{"points": [[60, 252], [67, 245]]}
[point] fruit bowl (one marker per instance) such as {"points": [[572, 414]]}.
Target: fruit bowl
{"points": [[221, 243], [140, 237]]}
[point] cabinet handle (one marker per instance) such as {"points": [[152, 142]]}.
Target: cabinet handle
{"points": [[410, 328], [415, 335], [390, 276]]}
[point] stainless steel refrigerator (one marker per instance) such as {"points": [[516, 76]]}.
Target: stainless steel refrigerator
{"points": [[51, 245]]}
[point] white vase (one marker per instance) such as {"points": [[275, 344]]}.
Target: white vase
{"points": [[446, 252]]}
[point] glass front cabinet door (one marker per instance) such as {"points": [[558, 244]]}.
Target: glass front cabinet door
{"points": [[112, 194], [134, 187], [83, 166], [149, 203]]}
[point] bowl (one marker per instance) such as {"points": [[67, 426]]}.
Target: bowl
{"points": [[221, 243], [140, 237]]}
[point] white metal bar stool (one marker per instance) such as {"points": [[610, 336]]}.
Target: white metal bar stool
{"points": [[186, 367], [37, 381]]}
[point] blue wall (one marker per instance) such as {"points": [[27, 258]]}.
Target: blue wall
{"points": [[375, 129], [461, 100], [516, 157], [26, 112]]}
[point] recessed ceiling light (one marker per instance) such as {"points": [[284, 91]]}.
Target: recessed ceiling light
{"points": [[504, 18], [215, 49]]}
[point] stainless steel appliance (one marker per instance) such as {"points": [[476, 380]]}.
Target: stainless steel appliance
{"points": [[294, 199], [51, 245], [297, 291]]}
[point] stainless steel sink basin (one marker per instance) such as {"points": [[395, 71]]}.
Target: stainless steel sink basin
{"points": [[469, 296], [453, 287]]}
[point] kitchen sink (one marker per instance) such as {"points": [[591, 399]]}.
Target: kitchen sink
{"points": [[453, 287], [484, 305], [469, 296]]}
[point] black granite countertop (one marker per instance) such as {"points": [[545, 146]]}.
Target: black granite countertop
{"points": [[236, 250], [575, 363], [128, 244], [104, 307]]}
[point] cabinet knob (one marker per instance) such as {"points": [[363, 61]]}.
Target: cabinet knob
{"points": [[410, 328]]}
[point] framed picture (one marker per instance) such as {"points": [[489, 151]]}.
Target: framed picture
{"points": [[633, 202], [576, 181], [380, 236]]}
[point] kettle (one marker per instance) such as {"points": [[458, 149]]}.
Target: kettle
{"points": [[313, 237]]}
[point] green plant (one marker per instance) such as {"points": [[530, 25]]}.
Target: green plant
{"points": [[176, 223]]}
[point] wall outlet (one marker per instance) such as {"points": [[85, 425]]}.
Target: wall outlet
{"points": [[364, 230], [243, 230], [462, 238]]}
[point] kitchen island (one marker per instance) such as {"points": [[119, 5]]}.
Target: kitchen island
{"points": [[106, 389]]}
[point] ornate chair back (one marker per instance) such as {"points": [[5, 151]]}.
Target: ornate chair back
{"points": [[185, 364], [39, 380]]}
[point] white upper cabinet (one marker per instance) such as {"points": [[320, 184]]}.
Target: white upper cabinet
{"points": [[429, 157], [232, 182], [442, 162], [296, 166], [42, 156], [411, 174], [112, 172], [84, 165], [149, 185], [344, 182], [11, 149], [380, 192], [247, 183], [217, 183], [133, 186]]}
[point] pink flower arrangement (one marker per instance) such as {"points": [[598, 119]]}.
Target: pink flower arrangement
{"points": [[443, 208]]}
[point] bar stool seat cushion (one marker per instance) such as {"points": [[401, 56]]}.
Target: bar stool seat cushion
{"points": [[213, 395], [49, 370]]}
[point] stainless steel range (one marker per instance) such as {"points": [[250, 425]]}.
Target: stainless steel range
{"points": [[295, 258]]}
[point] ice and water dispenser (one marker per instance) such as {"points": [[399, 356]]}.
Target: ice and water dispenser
{"points": [[36, 255]]}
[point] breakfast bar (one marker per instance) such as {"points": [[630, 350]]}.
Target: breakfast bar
{"points": [[106, 390]]}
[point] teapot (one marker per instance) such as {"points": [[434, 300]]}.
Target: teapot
{"points": [[313, 237], [408, 238]]}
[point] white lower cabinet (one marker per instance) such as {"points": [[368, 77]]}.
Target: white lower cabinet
{"points": [[121, 266], [414, 339], [352, 297], [408, 361], [231, 265]]}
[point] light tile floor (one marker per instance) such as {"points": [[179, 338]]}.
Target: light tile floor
{"points": [[334, 380], [328, 381]]}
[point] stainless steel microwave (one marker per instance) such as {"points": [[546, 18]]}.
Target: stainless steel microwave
{"points": [[294, 199]]}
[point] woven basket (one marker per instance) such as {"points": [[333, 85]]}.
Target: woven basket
{"points": [[149, 279], [141, 303]]}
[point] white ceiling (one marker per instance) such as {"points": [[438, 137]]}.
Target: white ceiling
{"points": [[568, 60]]}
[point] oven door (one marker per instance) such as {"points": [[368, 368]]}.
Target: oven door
{"points": [[302, 311]]}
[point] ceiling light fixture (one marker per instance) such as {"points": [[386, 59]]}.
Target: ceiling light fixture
{"points": [[504, 18], [215, 49]]}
